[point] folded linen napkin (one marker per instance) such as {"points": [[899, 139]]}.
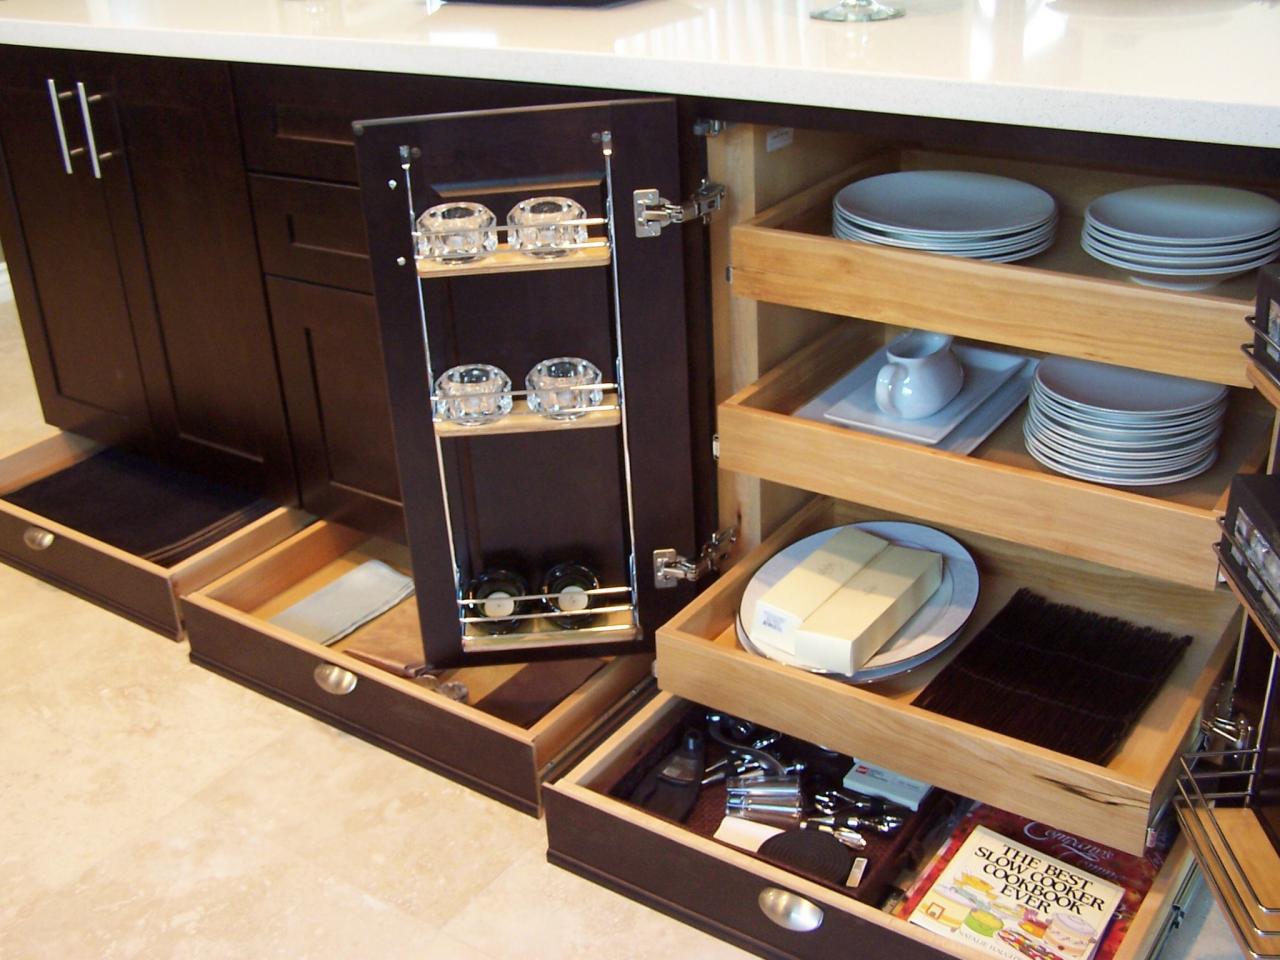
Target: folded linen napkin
{"points": [[353, 599]]}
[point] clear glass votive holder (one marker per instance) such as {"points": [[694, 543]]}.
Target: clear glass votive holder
{"points": [[538, 227], [457, 232], [472, 394], [560, 388]]}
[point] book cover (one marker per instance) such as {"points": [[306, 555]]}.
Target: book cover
{"points": [[1015, 902]]}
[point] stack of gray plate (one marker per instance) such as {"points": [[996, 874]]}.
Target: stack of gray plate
{"points": [[1183, 236], [948, 211], [1123, 427]]}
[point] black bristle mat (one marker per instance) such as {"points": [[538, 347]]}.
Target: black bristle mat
{"points": [[1057, 676], [814, 854]]}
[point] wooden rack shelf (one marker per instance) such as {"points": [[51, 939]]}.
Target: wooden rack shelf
{"points": [[522, 420], [506, 260]]}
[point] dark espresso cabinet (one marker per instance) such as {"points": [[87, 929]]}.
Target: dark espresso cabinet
{"points": [[127, 224]]}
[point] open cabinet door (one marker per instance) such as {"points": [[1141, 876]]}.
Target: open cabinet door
{"points": [[493, 508]]}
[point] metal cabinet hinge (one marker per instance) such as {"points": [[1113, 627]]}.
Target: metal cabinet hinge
{"points": [[715, 447], [653, 211], [669, 568], [709, 128]]}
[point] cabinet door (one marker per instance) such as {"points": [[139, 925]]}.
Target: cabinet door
{"points": [[336, 391], [58, 225], [532, 499], [203, 335]]}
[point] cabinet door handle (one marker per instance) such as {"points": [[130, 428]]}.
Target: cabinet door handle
{"points": [[333, 679], [37, 539], [94, 155], [54, 101], [789, 910]]}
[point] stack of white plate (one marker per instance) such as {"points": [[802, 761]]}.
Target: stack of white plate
{"points": [[1123, 427], [948, 211], [1183, 236]]}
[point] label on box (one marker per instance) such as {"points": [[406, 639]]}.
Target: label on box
{"points": [[880, 782]]}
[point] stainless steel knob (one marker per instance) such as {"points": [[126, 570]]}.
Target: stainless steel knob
{"points": [[37, 539], [789, 910], [335, 680]]}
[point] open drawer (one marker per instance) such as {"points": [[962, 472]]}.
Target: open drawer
{"points": [[1166, 531], [144, 591], [230, 632], [742, 898], [700, 658], [1059, 302]]}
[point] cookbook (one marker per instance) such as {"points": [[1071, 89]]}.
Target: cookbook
{"points": [[1015, 902]]}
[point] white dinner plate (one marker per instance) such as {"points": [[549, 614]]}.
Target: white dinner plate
{"points": [[921, 638], [1137, 464], [1157, 248], [1111, 478], [1189, 273], [947, 203], [1076, 415], [1186, 213], [1184, 261], [1127, 441], [1124, 390]]}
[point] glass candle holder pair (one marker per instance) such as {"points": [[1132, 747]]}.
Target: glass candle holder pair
{"points": [[461, 231], [561, 388]]}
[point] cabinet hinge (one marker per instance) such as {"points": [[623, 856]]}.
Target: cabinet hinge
{"points": [[715, 447], [653, 211], [669, 568], [709, 128]]}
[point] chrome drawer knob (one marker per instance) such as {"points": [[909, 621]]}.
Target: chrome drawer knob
{"points": [[789, 911], [37, 539], [334, 680]]}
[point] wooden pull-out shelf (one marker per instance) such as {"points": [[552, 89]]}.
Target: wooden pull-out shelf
{"points": [[230, 632], [1059, 302], [124, 583], [699, 658], [716, 887], [1166, 531]]}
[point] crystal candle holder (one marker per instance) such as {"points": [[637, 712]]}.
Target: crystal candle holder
{"points": [[560, 388], [457, 232], [472, 394], [538, 227]]}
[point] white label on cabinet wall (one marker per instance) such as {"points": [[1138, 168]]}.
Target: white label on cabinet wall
{"points": [[779, 137]]}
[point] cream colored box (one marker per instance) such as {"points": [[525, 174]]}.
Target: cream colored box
{"points": [[860, 617], [799, 593]]}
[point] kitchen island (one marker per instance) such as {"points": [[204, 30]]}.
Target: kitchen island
{"points": [[1195, 74]]}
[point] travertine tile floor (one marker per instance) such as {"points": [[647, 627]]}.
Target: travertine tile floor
{"points": [[151, 809]]}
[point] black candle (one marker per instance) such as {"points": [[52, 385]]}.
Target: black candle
{"points": [[496, 591], [565, 591]]}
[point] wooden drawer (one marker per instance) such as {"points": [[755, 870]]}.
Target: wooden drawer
{"points": [[1166, 531], [297, 120], [717, 888], [144, 592], [1060, 302], [699, 658], [230, 633], [308, 230]]}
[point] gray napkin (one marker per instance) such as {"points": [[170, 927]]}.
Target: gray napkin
{"points": [[353, 599]]}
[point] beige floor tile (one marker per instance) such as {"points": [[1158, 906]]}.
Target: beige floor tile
{"points": [[400, 832], [197, 886], [536, 911]]}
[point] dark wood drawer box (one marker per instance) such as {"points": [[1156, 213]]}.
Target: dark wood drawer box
{"points": [[230, 633], [133, 587], [741, 898], [309, 230]]}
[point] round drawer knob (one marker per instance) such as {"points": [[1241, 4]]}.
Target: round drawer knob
{"points": [[335, 680], [789, 911], [37, 539]]}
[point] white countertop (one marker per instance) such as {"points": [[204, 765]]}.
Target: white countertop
{"points": [[1181, 69]]}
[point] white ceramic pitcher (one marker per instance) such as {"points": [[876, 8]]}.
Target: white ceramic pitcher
{"points": [[922, 376]]}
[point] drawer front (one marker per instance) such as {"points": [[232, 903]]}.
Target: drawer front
{"points": [[481, 758], [311, 231], [297, 120], [703, 891], [80, 566]]}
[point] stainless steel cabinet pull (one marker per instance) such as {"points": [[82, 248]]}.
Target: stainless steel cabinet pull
{"points": [[54, 98], [335, 680], [789, 910], [94, 155], [37, 539]]}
